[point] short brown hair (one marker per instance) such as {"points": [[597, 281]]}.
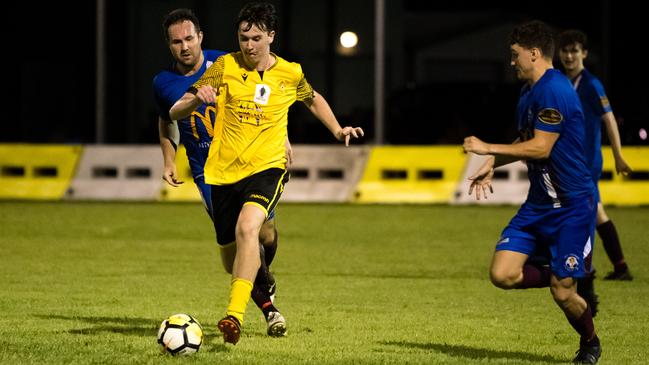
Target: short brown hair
{"points": [[179, 15], [534, 34]]}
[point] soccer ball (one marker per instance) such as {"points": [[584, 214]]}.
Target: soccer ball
{"points": [[180, 334]]}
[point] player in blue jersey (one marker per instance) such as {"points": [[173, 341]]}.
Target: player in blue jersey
{"points": [[183, 35], [560, 209], [573, 49]]}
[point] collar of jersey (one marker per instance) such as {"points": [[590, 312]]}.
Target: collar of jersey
{"points": [[242, 63]]}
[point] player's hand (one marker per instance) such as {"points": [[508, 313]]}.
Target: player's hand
{"points": [[621, 167], [345, 134], [171, 176], [288, 152], [481, 180], [206, 94], [475, 145]]}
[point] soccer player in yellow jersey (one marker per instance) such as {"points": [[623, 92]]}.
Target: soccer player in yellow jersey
{"points": [[184, 37], [253, 90]]}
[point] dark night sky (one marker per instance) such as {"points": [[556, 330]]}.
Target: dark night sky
{"points": [[55, 101]]}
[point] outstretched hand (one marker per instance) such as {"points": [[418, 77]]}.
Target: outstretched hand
{"points": [[347, 133], [481, 180]]}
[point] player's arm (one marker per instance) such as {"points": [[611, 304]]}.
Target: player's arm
{"points": [[481, 178], [321, 110], [192, 100], [536, 148], [185, 106], [202, 92], [169, 139], [616, 145], [502, 160]]}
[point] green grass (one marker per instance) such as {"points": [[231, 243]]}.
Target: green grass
{"points": [[89, 283]]}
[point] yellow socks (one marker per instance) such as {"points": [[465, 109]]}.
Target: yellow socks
{"points": [[240, 290]]}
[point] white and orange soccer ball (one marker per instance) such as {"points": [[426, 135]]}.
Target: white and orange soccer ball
{"points": [[180, 334]]}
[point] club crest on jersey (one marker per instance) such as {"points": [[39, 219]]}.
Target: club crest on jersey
{"points": [[262, 93], [571, 263], [550, 116]]}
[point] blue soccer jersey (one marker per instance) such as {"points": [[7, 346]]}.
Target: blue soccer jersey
{"points": [[552, 105], [196, 131], [595, 104]]}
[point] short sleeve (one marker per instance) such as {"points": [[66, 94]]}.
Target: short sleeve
{"points": [[162, 106], [304, 90], [213, 76], [600, 100], [550, 111]]}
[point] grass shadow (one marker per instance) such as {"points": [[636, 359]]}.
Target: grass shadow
{"points": [[378, 275], [215, 347], [130, 326], [476, 353], [129, 331]]}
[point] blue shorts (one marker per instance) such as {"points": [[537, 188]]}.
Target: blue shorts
{"points": [[206, 194], [566, 232]]}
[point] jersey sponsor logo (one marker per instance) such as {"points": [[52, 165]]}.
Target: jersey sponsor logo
{"points": [[550, 116], [208, 64], [571, 263], [261, 197], [251, 113], [262, 93], [282, 85], [206, 119], [244, 76]]}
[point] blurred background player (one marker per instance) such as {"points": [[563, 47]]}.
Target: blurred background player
{"points": [[183, 35], [560, 208], [573, 50], [254, 89]]}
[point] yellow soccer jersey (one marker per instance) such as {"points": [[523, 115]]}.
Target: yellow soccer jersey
{"points": [[250, 127]]}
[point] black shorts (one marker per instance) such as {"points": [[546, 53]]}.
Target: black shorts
{"points": [[262, 189]]}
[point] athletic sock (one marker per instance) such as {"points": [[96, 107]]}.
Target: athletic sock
{"points": [[240, 292], [535, 276], [264, 278], [611, 242], [269, 251], [585, 327], [262, 300]]}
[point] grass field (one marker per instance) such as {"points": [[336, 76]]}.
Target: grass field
{"points": [[89, 283]]}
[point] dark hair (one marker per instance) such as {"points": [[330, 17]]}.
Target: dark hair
{"points": [[263, 15], [534, 34], [572, 36], [176, 16]]}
